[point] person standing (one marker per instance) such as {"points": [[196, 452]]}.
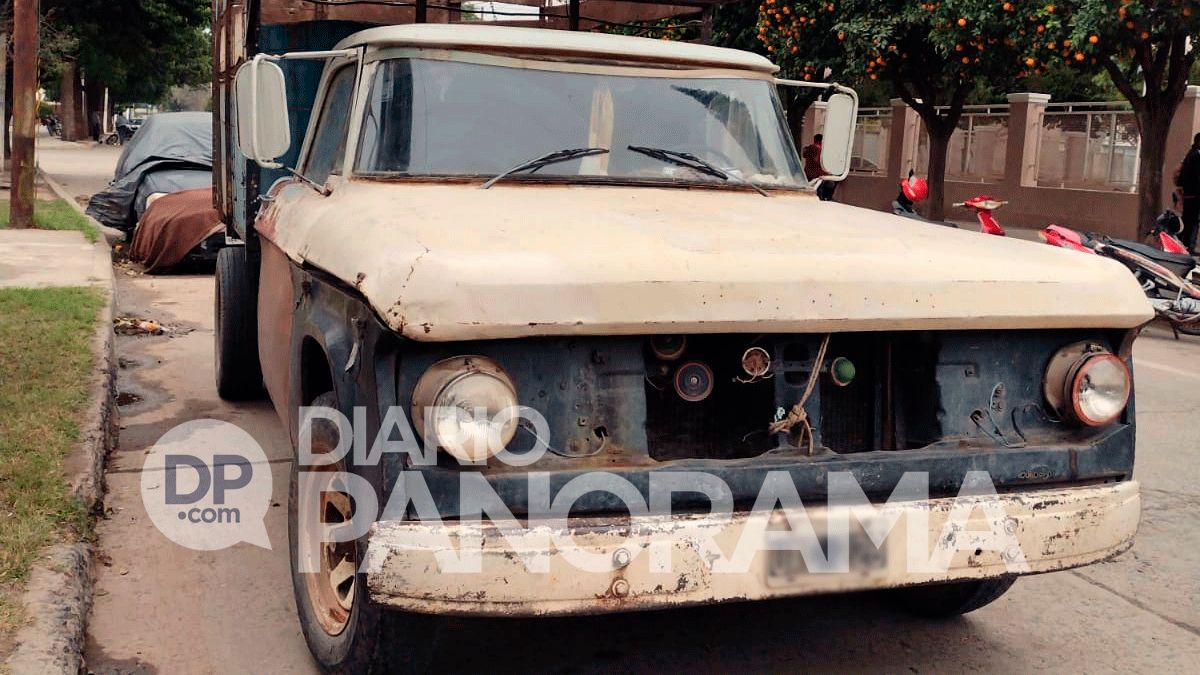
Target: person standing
{"points": [[1188, 182], [811, 155]]}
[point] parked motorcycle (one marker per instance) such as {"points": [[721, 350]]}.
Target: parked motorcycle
{"points": [[914, 189], [1163, 275], [53, 126]]}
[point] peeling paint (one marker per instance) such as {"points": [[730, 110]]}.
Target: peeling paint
{"points": [[1073, 527]]}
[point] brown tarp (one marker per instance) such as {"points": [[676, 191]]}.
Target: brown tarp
{"points": [[172, 226]]}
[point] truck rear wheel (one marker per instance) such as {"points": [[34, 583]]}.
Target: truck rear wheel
{"points": [[235, 327], [953, 599], [345, 632]]}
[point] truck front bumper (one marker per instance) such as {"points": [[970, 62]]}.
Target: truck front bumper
{"points": [[527, 573]]}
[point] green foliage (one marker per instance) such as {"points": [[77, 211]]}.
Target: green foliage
{"points": [[932, 52], [138, 48], [1067, 83], [1144, 46]]}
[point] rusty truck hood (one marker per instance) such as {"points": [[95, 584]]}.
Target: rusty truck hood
{"points": [[453, 262]]}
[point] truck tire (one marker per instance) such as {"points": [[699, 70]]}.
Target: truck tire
{"points": [[346, 633], [235, 327], [953, 599]]}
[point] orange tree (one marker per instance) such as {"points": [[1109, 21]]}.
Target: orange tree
{"points": [[1148, 48], [931, 54]]}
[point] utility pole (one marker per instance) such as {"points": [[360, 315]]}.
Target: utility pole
{"points": [[25, 52], [3, 100]]}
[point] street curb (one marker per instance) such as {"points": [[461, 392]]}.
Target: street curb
{"points": [[59, 595], [58, 598], [111, 236]]}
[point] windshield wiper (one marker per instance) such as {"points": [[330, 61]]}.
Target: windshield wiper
{"points": [[544, 160], [690, 161]]}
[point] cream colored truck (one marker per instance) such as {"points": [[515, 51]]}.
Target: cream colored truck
{"points": [[662, 288]]}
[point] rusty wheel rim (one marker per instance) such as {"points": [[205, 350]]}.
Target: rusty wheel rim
{"points": [[332, 588]]}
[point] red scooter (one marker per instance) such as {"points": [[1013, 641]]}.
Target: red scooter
{"points": [[913, 190]]}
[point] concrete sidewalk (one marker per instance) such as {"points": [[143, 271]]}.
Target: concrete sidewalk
{"points": [[83, 168], [42, 258]]}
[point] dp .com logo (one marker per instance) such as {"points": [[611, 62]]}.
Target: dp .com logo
{"points": [[206, 485]]}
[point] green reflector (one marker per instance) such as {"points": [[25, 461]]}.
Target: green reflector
{"points": [[842, 370]]}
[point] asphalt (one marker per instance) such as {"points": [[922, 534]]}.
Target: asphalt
{"points": [[161, 608]]}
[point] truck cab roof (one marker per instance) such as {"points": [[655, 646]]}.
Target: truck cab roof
{"points": [[547, 42]]}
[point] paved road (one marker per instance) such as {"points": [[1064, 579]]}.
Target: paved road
{"points": [[165, 609]]}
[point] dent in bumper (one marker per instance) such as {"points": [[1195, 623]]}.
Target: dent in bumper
{"points": [[1055, 529]]}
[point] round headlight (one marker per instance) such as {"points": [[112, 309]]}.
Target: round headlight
{"points": [[469, 404], [1100, 389], [1088, 384]]}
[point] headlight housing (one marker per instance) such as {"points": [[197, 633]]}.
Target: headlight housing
{"points": [[1087, 384], [468, 404]]}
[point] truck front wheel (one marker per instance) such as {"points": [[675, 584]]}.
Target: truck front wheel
{"points": [[953, 599], [235, 327], [345, 632]]}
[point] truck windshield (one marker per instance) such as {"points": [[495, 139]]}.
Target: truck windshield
{"points": [[428, 117]]}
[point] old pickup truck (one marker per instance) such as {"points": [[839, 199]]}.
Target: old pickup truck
{"points": [[614, 237]]}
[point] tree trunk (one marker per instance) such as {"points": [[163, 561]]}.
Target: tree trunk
{"points": [[94, 93], [795, 106], [1154, 125], [8, 104], [69, 104], [939, 143], [25, 69], [81, 115]]}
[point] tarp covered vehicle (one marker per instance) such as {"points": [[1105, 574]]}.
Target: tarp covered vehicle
{"points": [[171, 152]]}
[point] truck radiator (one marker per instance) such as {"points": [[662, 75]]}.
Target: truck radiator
{"points": [[850, 414]]}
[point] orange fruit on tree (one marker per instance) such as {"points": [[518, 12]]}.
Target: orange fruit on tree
{"points": [[961, 21], [1030, 61], [1008, 6], [1093, 39]]}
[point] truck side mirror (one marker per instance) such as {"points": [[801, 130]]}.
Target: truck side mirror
{"points": [[260, 94], [841, 117]]}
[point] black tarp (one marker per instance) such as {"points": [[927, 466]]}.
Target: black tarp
{"points": [[167, 141]]}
